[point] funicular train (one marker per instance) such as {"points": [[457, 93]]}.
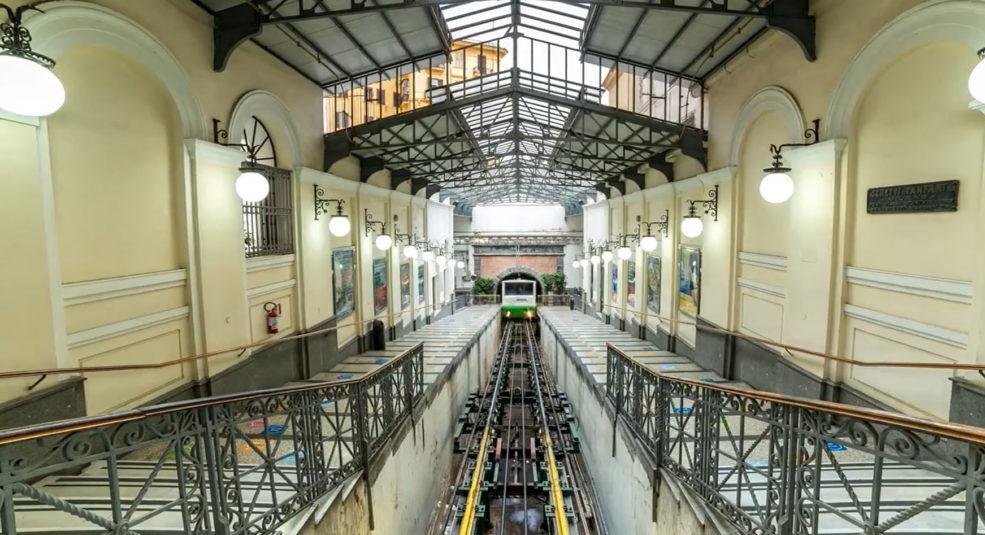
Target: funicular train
{"points": [[519, 299]]}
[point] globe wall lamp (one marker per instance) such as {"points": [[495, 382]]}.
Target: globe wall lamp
{"points": [[410, 250], [691, 225], [777, 186], [578, 262], [339, 224], [976, 81], [251, 184], [648, 242], [28, 86], [384, 241]]}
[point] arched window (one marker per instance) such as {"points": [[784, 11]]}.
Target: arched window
{"points": [[267, 228]]}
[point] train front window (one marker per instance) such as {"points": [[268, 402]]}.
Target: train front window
{"points": [[518, 289]]}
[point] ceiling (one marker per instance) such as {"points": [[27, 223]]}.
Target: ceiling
{"points": [[540, 127]]}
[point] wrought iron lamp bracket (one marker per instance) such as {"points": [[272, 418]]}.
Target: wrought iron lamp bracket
{"points": [[218, 137], [811, 136], [710, 204], [15, 39], [321, 205], [662, 224], [371, 224]]}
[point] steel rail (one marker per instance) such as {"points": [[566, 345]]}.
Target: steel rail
{"points": [[21, 434], [966, 433], [560, 517], [469, 514]]}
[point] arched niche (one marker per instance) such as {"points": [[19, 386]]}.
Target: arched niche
{"points": [[768, 99], [67, 24], [275, 116], [961, 21]]}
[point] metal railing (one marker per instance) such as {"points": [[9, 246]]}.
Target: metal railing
{"points": [[236, 464], [485, 299], [554, 300], [774, 464]]}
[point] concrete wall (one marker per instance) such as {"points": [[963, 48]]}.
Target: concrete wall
{"points": [[624, 481], [409, 480], [818, 272]]}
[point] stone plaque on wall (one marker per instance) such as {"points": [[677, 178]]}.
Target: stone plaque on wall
{"points": [[926, 197]]}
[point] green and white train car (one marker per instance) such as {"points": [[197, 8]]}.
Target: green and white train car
{"points": [[519, 299]]}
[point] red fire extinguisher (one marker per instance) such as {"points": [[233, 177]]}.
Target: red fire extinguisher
{"points": [[273, 312]]}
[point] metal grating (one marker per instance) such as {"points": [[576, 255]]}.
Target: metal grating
{"points": [[268, 226]]}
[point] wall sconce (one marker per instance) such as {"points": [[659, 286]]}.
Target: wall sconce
{"points": [[649, 242], [777, 186], [339, 224], [251, 184], [623, 252], [578, 262], [595, 250], [976, 81], [28, 86], [383, 241], [691, 225]]}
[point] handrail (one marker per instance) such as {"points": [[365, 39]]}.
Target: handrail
{"points": [[70, 425], [201, 356], [784, 465], [239, 463], [963, 432], [811, 352]]}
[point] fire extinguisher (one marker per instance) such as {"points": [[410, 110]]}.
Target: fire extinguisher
{"points": [[273, 312]]}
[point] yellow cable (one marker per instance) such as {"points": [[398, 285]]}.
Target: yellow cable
{"points": [[560, 518], [468, 517]]}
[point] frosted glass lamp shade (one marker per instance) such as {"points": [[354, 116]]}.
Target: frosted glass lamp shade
{"points": [[29, 88], [584, 263], [976, 81], [441, 260], [595, 259], [251, 186], [607, 256], [648, 243], [339, 225], [776, 187], [460, 264], [576, 264], [692, 226], [383, 242], [410, 251], [624, 253]]}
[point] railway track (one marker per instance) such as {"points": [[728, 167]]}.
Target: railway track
{"points": [[520, 472]]}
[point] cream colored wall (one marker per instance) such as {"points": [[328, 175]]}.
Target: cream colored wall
{"points": [[818, 272]]}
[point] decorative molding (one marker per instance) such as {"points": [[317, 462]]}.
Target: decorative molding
{"points": [[768, 99], [263, 263], [22, 119], [67, 24], [961, 21], [270, 288], [923, 330], [204, 151], [718, 176], [78, 293], [105, 332], [767, 261], [945, 289], [330, 182], [762, 287]]}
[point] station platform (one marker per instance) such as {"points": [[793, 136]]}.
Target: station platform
{"points": [[586, 339], [444, 341]]}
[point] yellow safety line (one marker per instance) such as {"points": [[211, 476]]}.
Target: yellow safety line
{"points": [[468, 517], [559, 515]]}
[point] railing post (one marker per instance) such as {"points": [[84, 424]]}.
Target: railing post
{"points": [[361, 425], [213, 469], [789, 464], [974, 513], [614, 380], [8, 518], [410, 389]]}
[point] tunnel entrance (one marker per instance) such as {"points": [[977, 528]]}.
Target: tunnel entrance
{"points": [[519, 273]]}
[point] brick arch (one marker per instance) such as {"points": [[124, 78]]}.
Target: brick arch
{"points": [[519, 272]]}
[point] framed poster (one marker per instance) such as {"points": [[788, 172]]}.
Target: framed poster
{"points": [[689, 280], [404, 285], [420, 284], [653, 283], [344, 281], [615, 283], [379, 285], [631, 284]]}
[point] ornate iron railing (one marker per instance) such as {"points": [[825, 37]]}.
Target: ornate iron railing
{"points": [[229, 465], [774, 464], [554, 300]]}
